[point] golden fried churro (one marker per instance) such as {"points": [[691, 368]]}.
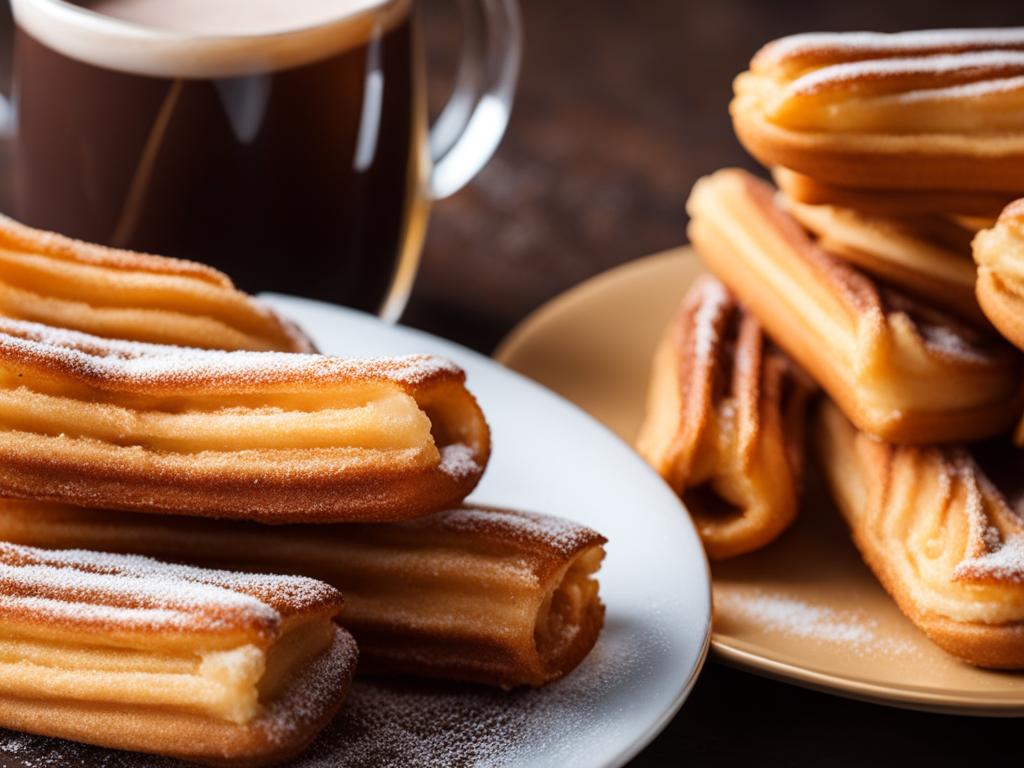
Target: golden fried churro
{"points": [[129, 653], [982, 206], [266, 436], [54, 280], [897, 368], [724, 422], [487, 595], [940, 534], [935, 110]]}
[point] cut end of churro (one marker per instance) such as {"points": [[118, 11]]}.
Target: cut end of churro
{"points": [[130, 653], [999, 255], [267, 436], [724, 423], [570, 616], [55, 280]]}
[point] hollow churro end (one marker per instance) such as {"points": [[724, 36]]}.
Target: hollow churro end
{"points": [[571, 615]]}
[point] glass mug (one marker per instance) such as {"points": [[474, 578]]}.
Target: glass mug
{"points": [[297, 160]]}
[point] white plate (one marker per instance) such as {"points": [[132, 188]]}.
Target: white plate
{"points": [[551, 457]]}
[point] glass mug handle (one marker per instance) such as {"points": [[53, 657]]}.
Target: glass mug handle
{"points": [[470, 126]]}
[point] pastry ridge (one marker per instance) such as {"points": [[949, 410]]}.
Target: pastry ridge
{"points": [[268, 436], [724, 423], [59, 281], [890, 362], [938, 533]]}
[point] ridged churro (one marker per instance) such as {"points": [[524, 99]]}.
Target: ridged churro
{"points": [[928, 110], [724, 422], [265, 436], [999, 254], [899, 369], [51, 279], [928, 256], [486, 595], [942, 535], [129, 653]]}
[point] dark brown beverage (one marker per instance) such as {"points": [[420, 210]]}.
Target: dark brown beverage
{"points": [[296, 176]]}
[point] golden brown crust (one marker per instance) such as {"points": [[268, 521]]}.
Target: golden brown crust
{"points": [[899, 369], [944, 540], [265, 436], [487, 595], [999, 255], [724, 422], [889, 113], [928, 256], [52, 279]]}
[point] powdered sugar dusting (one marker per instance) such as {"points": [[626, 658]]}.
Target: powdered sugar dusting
{"points": [[312, 691], [863, 44], [965, 91], [984, 65], [714, 303], [103, 591], [784, 615], [554, 534], [113, 364], [1005, 562], [459, 461]]}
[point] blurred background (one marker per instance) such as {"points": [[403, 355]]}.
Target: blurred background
{"points": [[621, 106]]}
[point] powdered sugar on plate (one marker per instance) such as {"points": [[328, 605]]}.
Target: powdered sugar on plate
{"points": [[777, 613]]}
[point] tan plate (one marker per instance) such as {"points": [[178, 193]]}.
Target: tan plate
{"points": [[804, 609]]}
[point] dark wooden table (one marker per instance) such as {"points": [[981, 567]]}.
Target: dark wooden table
{"points": [[622, 106]]}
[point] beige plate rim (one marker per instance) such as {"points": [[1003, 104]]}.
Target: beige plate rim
{"points": [[539, 324]]}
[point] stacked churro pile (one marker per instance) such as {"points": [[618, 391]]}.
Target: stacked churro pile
{"points": [[897, 158], [149, 409]]}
